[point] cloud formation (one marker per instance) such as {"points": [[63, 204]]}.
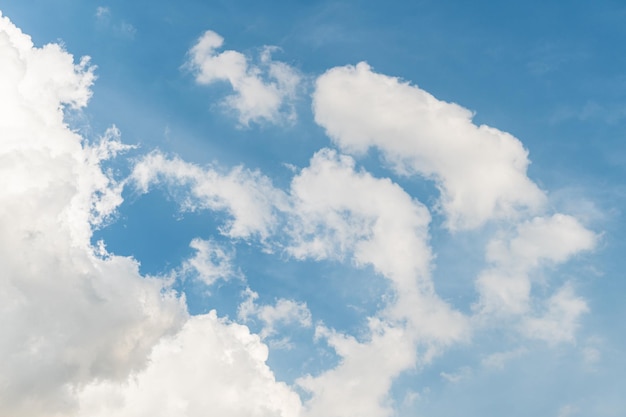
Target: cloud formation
{"points": [[86, 334], [82, 329], [69, 313], [480, 170], [209, 366], [263, 92], [505, 287]]}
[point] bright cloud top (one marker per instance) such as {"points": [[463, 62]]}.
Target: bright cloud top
{"points": [[481, 171], [68, 315], [87, 335], [262, 92]]}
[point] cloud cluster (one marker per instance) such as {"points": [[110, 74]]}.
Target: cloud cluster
{"points": [[84, 334], [263, 92], [333, 210], [67, 315], [82, 330]]}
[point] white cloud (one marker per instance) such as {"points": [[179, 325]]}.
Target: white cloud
{"points": [[357, 386], [505, 287], [592, 351], [263, 92], [83, 333], [480, 171], [499, 359], [210, 366], [334, 211], [284, 312], [102, 12], [69, 312], [210, 263], [553, 239], [568, 411], [560, 320], [456, 377], [341, 212], [87, 335], [247, 196]]}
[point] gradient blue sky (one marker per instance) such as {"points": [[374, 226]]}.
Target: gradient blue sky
{"points": [[551, 74]]}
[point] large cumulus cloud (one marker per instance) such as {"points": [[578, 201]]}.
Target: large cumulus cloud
{"points": [[72, 314]]}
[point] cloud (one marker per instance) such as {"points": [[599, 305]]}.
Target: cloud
{"points": [[456, 377], [103, 12], [70, 313], [283, 312], [542, 239], [592, 352], [83, 333], [210, 364], [249, 197], [334, 211], [104, 19], [87, 335], [505, 287], [262, 92], [560, 320], [499, 359], [339, 211], [210, 263], [568, 410], [481, 171]]}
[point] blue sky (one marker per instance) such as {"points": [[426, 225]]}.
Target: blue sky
{"points": [[312, 208]]}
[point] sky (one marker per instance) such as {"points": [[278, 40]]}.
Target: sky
{"points": [[312, 209]]}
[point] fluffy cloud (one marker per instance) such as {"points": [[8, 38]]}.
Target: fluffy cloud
{"points": [[84, 334], [505, 287], [480, 171], [340, 211], [334, 211], [356, 386], [210, 366], [82, 330], [67, 314], [263, 92]]}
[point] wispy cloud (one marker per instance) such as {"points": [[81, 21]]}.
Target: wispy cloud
{"points": [[106, 20]]}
